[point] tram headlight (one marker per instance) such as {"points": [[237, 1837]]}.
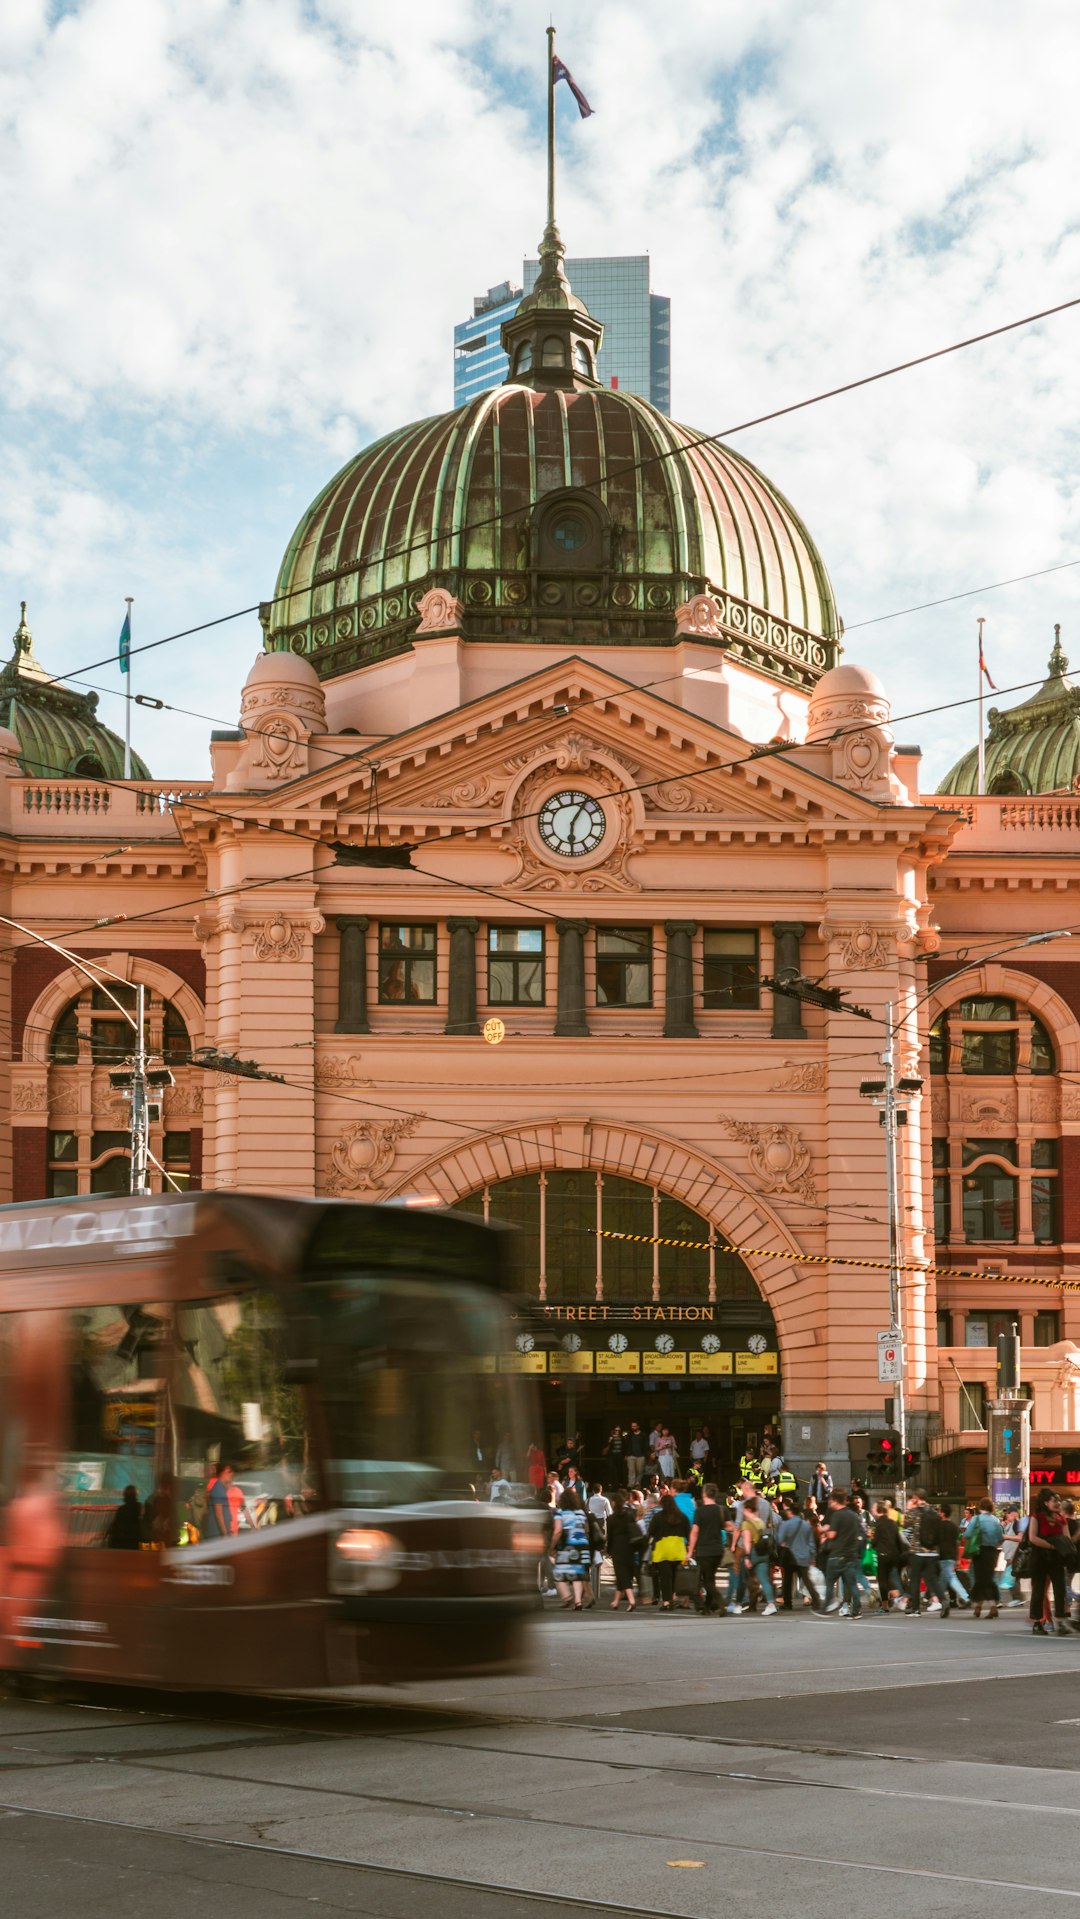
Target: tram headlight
{"points": [[364, 1559], [528, 1541]]}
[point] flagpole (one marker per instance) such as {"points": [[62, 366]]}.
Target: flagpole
{"points": [[551, 129], [982, 742], [127, 703]]}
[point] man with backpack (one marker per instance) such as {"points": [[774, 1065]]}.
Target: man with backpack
{"points": [[796, 1545], [924, 1563]]}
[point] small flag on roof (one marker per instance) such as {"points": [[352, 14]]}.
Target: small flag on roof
{"points": [[560, 71], [125, 643]]}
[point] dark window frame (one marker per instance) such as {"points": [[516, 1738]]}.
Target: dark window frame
{"points": [[622, 962], [735, 995], [408, 959], [514, 963]]}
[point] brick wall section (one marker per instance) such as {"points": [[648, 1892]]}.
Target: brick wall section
{"points": [[37, 965], [1069, 1178], [30, 1161]]}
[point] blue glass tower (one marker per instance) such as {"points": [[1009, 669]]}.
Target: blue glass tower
{"points": [[636, 350]]}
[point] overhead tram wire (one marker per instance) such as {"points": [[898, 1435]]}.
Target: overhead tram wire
{"points": [[618, 473]]}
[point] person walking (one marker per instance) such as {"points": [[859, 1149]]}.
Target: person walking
{"points": [[757, 1554], [635, 1454], [952, 1592], [669, 1530], [615, 1451], [821, 1485], [570, 1546], [924, 1560], [844, 1532], [667, 1455], [983, 1535], [624, 1546], [889, 1548], [708, 1537], [797, 1547], [1051, 1552], [598, 1507]]}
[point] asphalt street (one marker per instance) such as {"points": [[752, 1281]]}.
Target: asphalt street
{"points": [[653, 1765]]}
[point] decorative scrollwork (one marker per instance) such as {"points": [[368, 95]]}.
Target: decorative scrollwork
{"points": [[279, 938], [365, 1152], [779, 1157]]}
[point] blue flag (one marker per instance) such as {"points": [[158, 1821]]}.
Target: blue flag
{"points": [[125, 643]]}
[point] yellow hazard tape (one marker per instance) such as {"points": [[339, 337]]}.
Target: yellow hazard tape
{"points": [[840, 1259]]}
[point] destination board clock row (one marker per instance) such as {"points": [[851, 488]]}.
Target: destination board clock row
{"points": [[621, 1365]]}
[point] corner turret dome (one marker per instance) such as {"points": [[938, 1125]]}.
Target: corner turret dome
{"points": [[57, 728], [1030, 748]]}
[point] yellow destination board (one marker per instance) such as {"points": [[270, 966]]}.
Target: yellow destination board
{"points": [[618, 1362], [663, 1362], [478, 1363], [711, 1362], [570, 1362], [522, 1362], [755, 1363]]}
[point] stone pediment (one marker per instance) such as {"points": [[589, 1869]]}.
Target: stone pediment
{"points": [[673, 774]]}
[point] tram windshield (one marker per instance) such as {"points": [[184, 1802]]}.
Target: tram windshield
{"points": [[413, 1404]]}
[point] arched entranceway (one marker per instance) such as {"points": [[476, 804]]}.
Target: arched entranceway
{"points": [[640, 1327]]}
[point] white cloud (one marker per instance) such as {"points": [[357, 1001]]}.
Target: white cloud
{"points": [[237, 233]]}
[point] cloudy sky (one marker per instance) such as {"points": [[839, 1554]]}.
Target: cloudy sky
{"points": [[237, 234]]}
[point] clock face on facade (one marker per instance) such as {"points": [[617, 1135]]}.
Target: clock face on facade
{"points": [[524, 1342], [618, 1343], [757, 1343], [572, 1343], [710, 1343], [572, 824], [665, 1343]]}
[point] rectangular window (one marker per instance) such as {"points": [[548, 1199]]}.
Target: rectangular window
{"points": [[407, 973], [1044, 1211], [989, 1053], [941, 1154], [976, 1330], [515, 966], [944, 1327], [176, 1159], [1047, 1329], [624, 966], [990, 1204], [942, 1208], [729, 969], [972, 1405], [1044, 1152], [121, 1422]]}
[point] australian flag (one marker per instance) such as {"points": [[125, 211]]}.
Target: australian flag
{"points": [[562, 72]]}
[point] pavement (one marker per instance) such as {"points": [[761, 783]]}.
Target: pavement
{"points": [[647, 1764]]}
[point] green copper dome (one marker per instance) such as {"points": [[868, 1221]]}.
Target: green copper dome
{"points": [[1031, 748], [58, 730], [556, 511]]}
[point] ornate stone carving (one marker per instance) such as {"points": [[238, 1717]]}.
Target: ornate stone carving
{"points": [[677, 796], [939, 1101], [779, 1157], [183, 1099], [573, 753], [279, 938], [439, 612], [866, 948], [106, 1099], [1070, 1102], [30, 1096], [540, 874], [1042, 1103], [207, 927], [988, 1109], [365, 1152], [699, 617], [803, 1076], [481, 791], [64, 1103], [335, 1071]]}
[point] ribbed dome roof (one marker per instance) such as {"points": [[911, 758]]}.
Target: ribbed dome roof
{"points": [[1030, 748], [58, 730], [464, 501]]}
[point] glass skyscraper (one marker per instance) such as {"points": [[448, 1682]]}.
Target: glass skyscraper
{"points": [[635, 355]]}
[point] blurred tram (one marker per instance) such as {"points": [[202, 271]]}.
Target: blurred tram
{"points": [[239, 1444]]}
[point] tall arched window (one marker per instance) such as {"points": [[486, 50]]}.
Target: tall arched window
{"points": [[91, 1151], [996, 1152]]}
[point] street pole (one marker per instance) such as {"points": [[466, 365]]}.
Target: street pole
{"points": [[140, 1106], [889, 1113]]}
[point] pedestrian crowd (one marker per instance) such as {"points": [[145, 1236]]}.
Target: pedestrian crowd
{"points": [[677, 1541]]}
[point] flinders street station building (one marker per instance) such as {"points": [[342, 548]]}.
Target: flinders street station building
{"points": [[550, 760]]}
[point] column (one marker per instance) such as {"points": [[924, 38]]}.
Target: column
{"points": [[570, 1021], [679, 989], [352, 974], [787, 1013], [461, 1008]]}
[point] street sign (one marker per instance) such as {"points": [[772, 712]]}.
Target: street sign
{"points": [[890, 1359]]}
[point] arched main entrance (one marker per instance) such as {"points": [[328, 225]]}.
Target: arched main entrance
{"points": [[639, 1327]]}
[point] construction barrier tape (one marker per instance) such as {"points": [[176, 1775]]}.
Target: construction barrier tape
{"points": [[841, 1259]]}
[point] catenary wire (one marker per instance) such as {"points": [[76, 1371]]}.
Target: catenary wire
{"points": [[631, 467]]}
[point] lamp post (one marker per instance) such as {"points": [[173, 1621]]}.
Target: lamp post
{"points": [[894, 1096], [139, 1078]]}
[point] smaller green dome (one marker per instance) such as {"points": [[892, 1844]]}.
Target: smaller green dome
{"points": [[59, 733], [1030, 748]]}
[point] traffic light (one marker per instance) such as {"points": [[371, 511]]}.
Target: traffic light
{"points": [[884, 1454], [912, 1463]]}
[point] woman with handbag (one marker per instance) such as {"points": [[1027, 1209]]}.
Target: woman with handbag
{"points": [[983, 1534], [1052, 1551], [669, 1530], [571, 1549]]}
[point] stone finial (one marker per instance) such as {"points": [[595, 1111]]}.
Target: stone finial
{"points": [[699, 618], [283, 704], [440, 612], [850, 712], [1059, 659]]}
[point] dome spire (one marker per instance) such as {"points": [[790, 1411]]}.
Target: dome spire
{"points": [[552, 340], [1058, 662]]}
